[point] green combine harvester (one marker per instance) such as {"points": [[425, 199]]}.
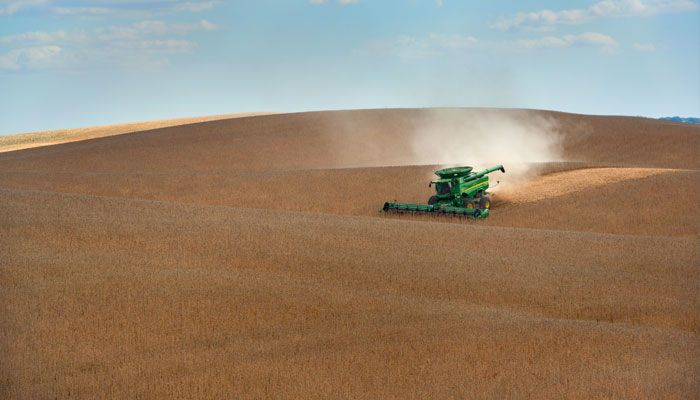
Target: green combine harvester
{"points": [[458, 192]]}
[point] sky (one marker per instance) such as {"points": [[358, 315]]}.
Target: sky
{"points": [[73, 63]]}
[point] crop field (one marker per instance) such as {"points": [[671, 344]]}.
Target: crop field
{"points": [[247, 258]]}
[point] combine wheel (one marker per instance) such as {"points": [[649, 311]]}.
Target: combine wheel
{"points": [[485, 202], [467, 202]]}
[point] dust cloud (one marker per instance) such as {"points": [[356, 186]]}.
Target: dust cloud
{"points": [[481, 138], [519, 140]]}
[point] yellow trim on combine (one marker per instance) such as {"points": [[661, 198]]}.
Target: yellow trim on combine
{"points": [[478, 184]]}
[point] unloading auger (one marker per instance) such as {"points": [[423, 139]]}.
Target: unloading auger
{"points": [[458, 191]]}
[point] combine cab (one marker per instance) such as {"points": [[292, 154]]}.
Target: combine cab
{"points": [[458, 191]]}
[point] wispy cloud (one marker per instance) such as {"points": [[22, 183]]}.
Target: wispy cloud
{"points": [[547, 19], [149, 41], [604, 42], [39, 37], [167, 46], [29, 57], [196, 6], [11, 7], [105, 8], [150, 28], [68, 11]]}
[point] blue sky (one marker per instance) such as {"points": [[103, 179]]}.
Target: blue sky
{"points": [[70, 63]]}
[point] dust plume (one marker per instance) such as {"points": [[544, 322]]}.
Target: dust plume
{"points": [[481, 138]]}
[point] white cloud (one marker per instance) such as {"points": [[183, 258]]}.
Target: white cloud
{"points": [[30, 37], [197, 6], [141, 29], [11, 7], [29, 57], [150, 42], [39, 37], [206, 25], [168, 46], [102, 8], [605, 42], [547, 19], [93, 11]]}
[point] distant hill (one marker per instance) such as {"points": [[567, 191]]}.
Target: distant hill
{"points": [[688, 120]]}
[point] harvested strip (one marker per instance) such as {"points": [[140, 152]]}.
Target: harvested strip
{"points": [[563, 183]]}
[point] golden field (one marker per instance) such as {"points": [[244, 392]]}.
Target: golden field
{"points": [[247, 258], [28, 140]]}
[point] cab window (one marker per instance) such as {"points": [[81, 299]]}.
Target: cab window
{"points": [[443, 188]]}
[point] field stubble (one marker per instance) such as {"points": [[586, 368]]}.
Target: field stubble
{"points": [[191, 273]]}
